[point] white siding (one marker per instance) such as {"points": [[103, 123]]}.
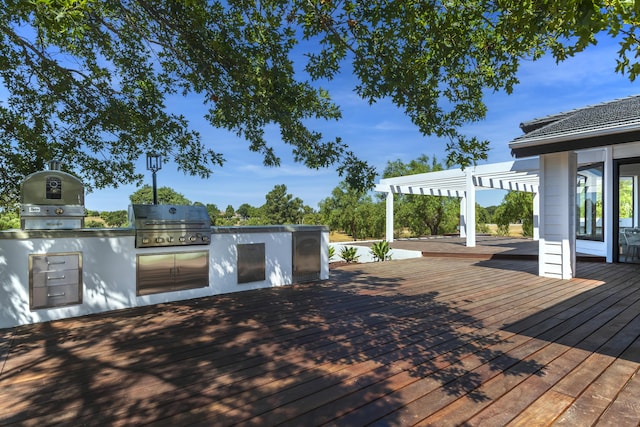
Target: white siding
{"points": [[557, 215]]}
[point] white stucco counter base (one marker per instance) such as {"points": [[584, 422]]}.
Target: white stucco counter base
{"points": [[109, 271]]}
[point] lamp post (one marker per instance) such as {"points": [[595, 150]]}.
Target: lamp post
{"points": [[154, 164]]}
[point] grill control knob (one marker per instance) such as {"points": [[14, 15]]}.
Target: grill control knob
{"points": [[193, 238], [59, 211], [182, 239], [205, 238], [159, 239], [170, 239]]}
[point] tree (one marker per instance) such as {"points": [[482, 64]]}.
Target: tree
{"points": [[89, 82], [423, 214], [353, 211], [115, 218], [281, 207], [166, 196], [516, 207], [246, 211], [229, 212], [213, 212]]}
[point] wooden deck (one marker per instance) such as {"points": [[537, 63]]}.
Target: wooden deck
{"points": [[428, 341]]}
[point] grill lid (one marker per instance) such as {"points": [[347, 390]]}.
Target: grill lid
{"points": [[169, 216], [170, 225]]}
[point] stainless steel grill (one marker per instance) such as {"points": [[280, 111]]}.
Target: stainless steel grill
{"points": [[51, 199], [170, 225]]}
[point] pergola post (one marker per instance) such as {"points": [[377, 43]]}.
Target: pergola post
{"points": [[389, 217], [463, 216], [470, 196]]}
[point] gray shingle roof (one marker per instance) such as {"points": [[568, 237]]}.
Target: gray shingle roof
{"points": [[619, 116]]}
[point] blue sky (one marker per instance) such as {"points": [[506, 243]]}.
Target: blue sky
{"points": [[381, 133]]}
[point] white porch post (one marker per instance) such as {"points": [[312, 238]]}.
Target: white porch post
{"points": [[389, 217], [557, 245], [470, 195], [463, 216], [536, 216]]}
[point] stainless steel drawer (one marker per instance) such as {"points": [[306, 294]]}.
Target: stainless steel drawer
{"points": [[56, 277], [54, 296], [55, 262]]}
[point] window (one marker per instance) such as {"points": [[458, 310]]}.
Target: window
{"points": [[590, 200]]}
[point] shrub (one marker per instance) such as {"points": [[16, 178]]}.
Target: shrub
{"points": [[349, 254], [332, 252], [380, 251]]}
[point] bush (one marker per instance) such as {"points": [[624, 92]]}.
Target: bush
{"points": [[380, 251], [349, 254], [93, 224], [332, 252]]}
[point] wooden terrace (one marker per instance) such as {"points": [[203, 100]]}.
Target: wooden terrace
{"points": [[427, 341]]}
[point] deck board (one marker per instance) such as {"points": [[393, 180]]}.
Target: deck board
{"points": [[430, 341]]}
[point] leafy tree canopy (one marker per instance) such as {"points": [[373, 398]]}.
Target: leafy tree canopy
{"points": [[88, 82], [281, 207], [115, 218], [352, 211], [515, 207], [166, 196]]}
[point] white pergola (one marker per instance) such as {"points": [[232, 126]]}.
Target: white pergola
{"points": [[518, 175]]}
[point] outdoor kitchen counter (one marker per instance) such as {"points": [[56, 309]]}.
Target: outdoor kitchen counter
{"points": [[58, 234], [108, 265]]}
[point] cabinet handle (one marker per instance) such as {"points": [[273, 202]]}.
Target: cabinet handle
{"points": [[56, 262], [56, 295], [56, 278]]}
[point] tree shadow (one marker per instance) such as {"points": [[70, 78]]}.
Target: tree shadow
{"points": [[603, 319], [302, 354]]}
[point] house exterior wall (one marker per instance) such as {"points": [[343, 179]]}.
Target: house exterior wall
{"points": [[553, 172]]}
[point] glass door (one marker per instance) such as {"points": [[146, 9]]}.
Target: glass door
{"points": [[628, 210]]}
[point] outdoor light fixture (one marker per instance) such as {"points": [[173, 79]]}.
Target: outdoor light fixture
{"points": [[154, 164]]}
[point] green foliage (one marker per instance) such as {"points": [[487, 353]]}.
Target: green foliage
{"points": [[625, 197], [503, 230], [89, 82], [93, 224], [281, 207], [353, 212], [482, 227], [229, 212], [166, 196], [516, 207], [9, 219], [381, 251], [349, 254], [246, 211], [423, 214], [115, 218], [331, 252], [214, 213], [482, 219]]}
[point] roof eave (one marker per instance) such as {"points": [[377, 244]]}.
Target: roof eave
{"points": [[576, 141]]}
